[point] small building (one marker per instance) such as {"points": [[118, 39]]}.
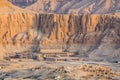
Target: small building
{"points": [[53, 54], [62, 59]]}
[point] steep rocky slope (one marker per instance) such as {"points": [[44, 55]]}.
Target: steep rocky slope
{"points": [[13, 20], [76, 6], [96, 36], [22, 3], [7, 7]]}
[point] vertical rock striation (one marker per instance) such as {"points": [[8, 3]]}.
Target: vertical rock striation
{"points": [[91, 34]]}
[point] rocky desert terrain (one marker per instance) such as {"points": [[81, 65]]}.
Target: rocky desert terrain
{"points": [[40, 43], [76, 6], [25, 70]]}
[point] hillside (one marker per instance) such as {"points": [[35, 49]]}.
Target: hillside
{"points": [[7, 7], [48, 46], [76, 6], [22, 3], [96, 36]]}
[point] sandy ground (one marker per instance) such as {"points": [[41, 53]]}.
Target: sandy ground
{"points": [[27, 69]]}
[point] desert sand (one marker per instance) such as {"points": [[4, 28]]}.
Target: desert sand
{"points": [[74, 70]]}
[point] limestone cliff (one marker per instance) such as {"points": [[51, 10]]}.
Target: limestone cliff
{"points": [[91, 35]]}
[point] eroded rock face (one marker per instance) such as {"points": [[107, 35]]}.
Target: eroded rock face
{"points": [[97, 35], [14, 26]]}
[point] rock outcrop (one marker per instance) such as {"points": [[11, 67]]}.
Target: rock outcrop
{"points": [[13, 20], [97, 35]]}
